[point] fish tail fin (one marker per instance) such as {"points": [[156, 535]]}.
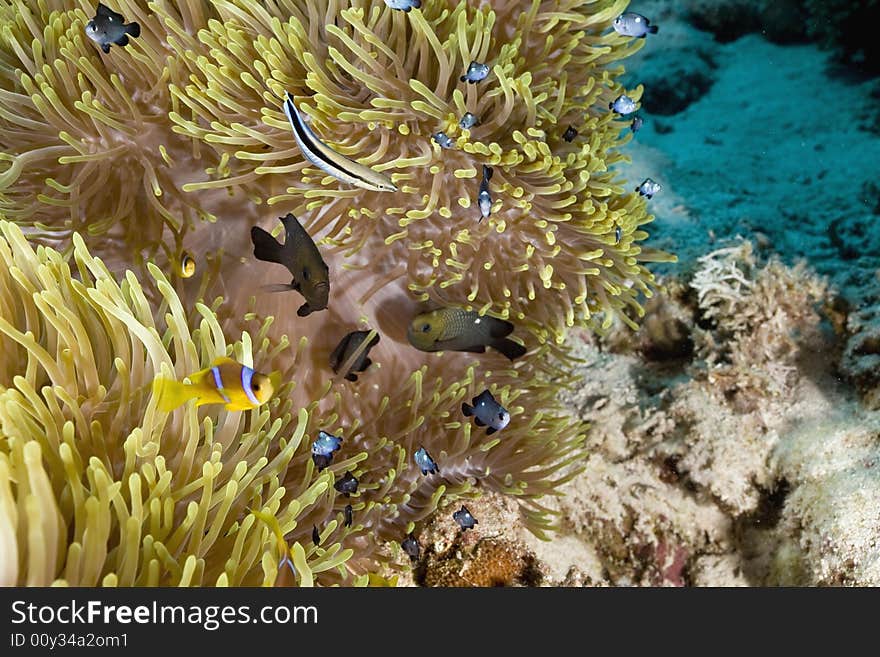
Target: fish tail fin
{"points": [[487, 172], [266, 247], [133, 29], [653, 29], [171, 394], [500, 328], [512, 350], [467, 409]]}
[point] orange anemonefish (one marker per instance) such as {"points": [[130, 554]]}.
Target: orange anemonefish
{"points": [[226, 382]]}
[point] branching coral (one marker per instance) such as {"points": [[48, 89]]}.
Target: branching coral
{"points": [[758, 314]]}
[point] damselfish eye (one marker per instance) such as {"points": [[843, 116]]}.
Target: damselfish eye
{"points": [[305, 274], [426, 328]]}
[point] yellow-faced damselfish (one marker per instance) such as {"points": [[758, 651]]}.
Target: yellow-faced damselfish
{"points": [[226, 382], [462, 330]]}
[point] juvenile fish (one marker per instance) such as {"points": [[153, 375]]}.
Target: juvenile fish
{"points": [[347, 485], [346, 347], [443, 139], [632, 24], [487, 412], [348, 515], [618, 234], [426, 464], [410, 545], [455, 329], [236, 386], [464, 518], [187, 265], [404, 5], [468, 121], [108, 27], [475, 72], [323, 448], [484, 198], [328, 160], [623, 105], [648, 188], [636, 124], [569, 134], [301, 257]]}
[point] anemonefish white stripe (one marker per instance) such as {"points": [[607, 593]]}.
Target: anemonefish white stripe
{"points": [[328, 160], [247, 376], [218, 383]]}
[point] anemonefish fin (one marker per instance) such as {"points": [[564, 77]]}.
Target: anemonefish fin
{"points": [[172, 394]]}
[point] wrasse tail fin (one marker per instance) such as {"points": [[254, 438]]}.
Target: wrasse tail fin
{"points": [[171, 394], [512, 350], [266, 247]]}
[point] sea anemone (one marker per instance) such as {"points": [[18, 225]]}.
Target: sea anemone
{"points": [[99, 487], [178, 140], [379, 82]]}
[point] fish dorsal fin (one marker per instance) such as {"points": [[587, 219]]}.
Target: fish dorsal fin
{"points": [[484, 397], [222, 360], [105, 12]]}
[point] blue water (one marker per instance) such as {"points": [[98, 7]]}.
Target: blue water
{"points": [[783, 149]]}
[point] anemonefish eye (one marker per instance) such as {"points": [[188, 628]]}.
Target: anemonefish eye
{"points": [[426, 328], [256, 387]]}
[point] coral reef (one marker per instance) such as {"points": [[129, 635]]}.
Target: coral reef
{"points": [[177, 142], [716, 469]]}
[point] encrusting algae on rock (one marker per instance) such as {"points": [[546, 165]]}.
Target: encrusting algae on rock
{"points": [[179, 140]]}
